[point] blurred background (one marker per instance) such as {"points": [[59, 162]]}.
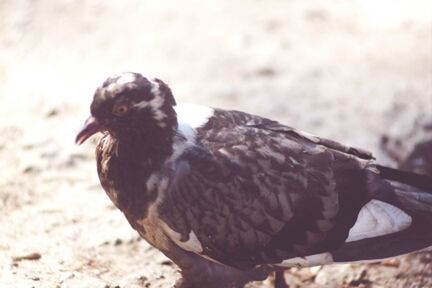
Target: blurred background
{"points": [[359, 72]]}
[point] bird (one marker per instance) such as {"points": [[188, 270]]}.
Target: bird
{"points": [[231, 197]]}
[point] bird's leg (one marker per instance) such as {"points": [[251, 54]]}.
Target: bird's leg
{"points": [[280, 280]]}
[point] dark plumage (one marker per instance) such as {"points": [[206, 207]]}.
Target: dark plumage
{"points": [[230, 196]]}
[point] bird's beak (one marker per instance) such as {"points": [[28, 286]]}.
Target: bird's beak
{"points": [[91, 127]]}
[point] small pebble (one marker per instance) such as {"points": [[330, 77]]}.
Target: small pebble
{"points": [[167, 263], [51, 112], [143, 280], [31, 256]]}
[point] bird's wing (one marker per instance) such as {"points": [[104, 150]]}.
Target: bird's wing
{"points": [[231, 119], [259, 192]]}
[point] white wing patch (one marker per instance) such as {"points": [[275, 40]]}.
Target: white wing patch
{"points": [[193, 116], [189, 118], [378, 218], [308, 261], [191, 245]]}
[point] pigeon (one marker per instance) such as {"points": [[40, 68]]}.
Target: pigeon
{"points": [[230, 197]]}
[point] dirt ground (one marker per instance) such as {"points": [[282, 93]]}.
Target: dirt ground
{"points": [[348, 70]]}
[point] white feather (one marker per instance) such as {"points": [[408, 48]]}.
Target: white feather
{"points": [[378, 218], [191, 245], [189, 118], [193, 115], [155, 104], [308, 261], [126, 78]]}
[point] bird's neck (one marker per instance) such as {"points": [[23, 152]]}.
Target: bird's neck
{"points": [[148, 142], [135, 158], [147, 149]]}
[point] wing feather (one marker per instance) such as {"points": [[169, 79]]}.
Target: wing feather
{"points": [[255, 191]]}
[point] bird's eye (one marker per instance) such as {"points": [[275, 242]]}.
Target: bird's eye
{"points": [[120, 110]]}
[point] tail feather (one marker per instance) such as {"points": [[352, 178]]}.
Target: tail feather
{"points": [[418, 236], [415, 200], [420, 181], [411, 193]]}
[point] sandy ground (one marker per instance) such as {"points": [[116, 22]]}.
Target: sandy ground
{"points": [[348, 70]]}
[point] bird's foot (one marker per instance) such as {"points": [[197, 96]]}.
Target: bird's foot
{"points": [[280, 280]]}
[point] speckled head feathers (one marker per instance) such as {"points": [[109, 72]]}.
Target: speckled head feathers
{"points": [[129, 100]]}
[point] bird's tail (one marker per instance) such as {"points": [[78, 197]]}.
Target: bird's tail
{"points": [[410, 193]]}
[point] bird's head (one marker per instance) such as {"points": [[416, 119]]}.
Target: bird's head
{"points": [[127, 104]]}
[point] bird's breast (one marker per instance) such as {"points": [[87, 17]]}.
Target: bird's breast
{"points": [[124, 175], [106, 149], [135, 188]]}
